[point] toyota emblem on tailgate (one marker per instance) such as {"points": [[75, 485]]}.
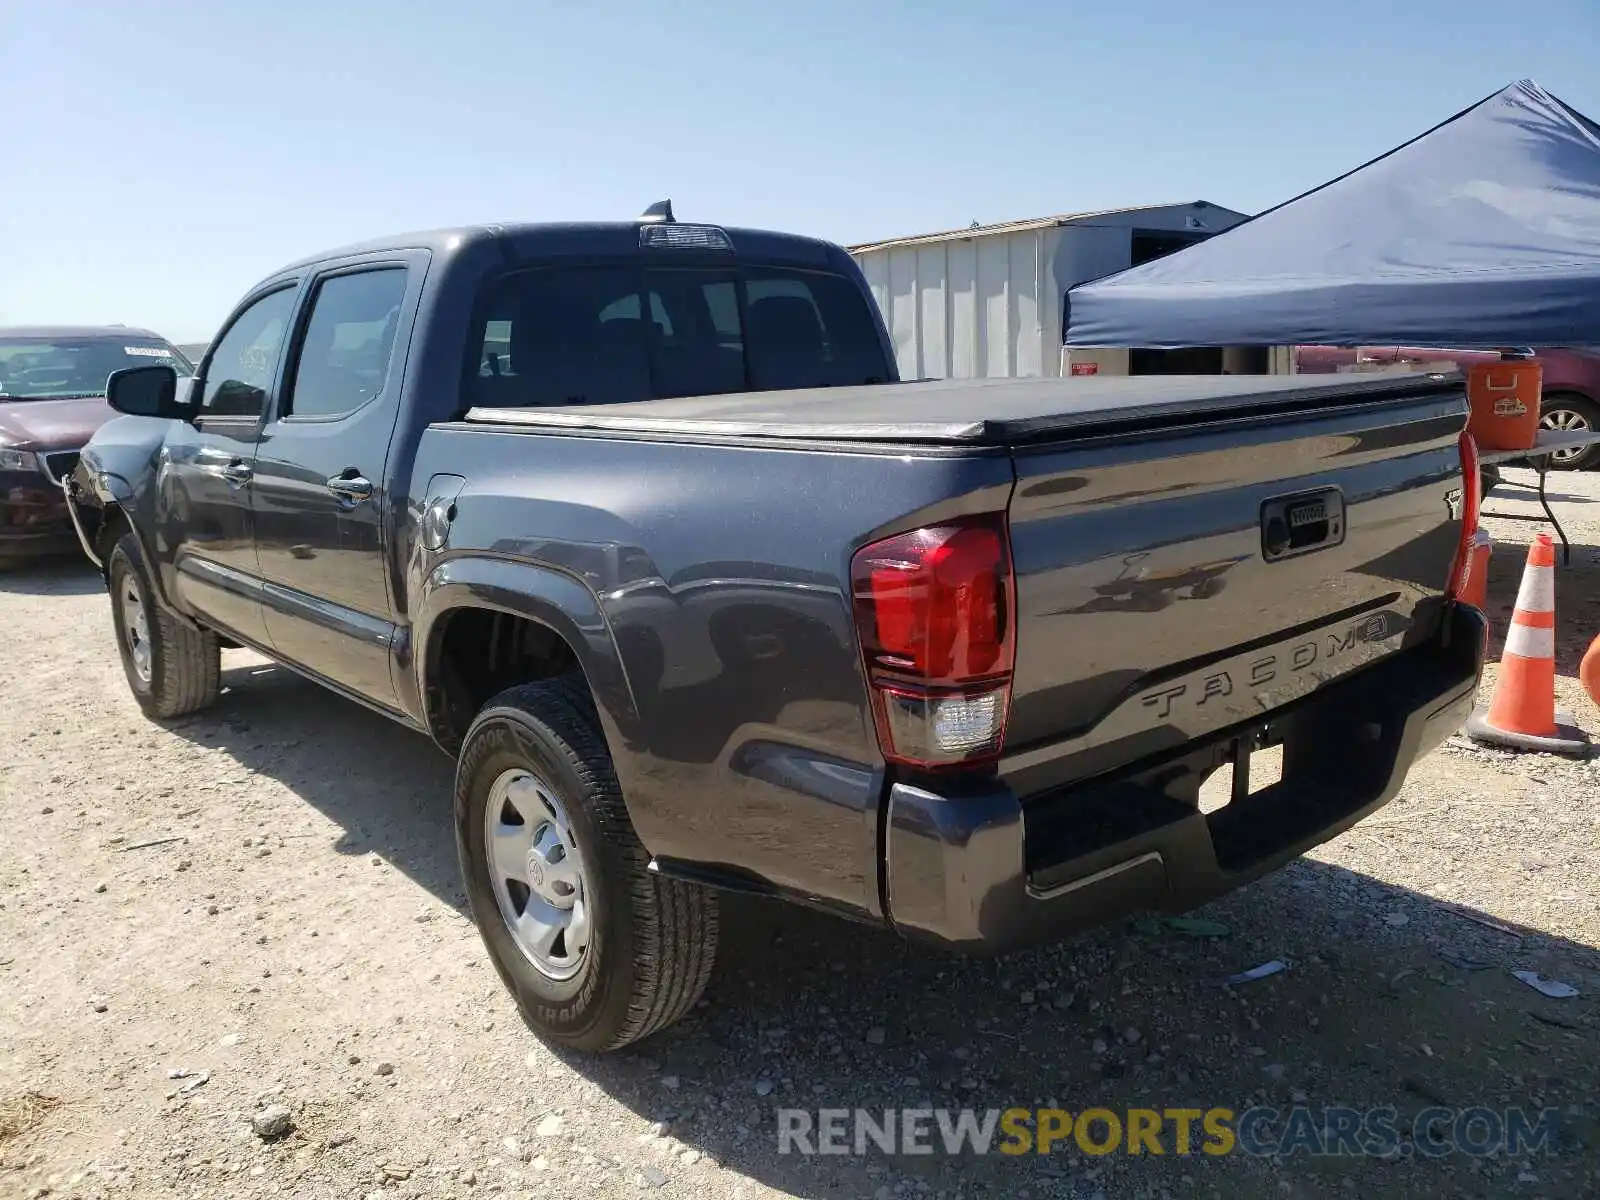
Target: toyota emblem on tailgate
{"points": [[1308, 513]]}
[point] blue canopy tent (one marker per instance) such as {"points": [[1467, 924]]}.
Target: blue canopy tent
{"points": [[1484, 231]]}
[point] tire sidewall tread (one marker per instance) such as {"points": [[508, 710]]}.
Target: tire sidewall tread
{"points": [[652, 939], [185, 663]]}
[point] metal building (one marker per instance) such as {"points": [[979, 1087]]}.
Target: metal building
{"points": [[986, 302]]}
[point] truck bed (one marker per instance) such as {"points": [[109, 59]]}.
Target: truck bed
{"points": [[976, 412], [1158, 603]]}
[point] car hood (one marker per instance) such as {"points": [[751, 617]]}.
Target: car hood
{"points": [[51, 424]]}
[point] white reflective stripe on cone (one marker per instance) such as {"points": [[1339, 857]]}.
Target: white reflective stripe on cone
{"points": [[1525, 641], [1538, 590]]}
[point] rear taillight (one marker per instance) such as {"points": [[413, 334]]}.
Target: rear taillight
{"points": [[935, 611], [1471, 503]]}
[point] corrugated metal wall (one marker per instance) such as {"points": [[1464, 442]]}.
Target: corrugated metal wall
{"points": [[989, 306], [970, 309]]}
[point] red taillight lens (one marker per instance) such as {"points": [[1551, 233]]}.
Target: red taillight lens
{"points": [[934, 610], [937, 598], [1471, 505]]}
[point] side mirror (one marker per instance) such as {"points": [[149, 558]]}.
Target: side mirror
{"points": [[146, 392]]}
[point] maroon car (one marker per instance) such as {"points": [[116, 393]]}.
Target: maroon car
{"points": [[1571, 382], [52, 397]]}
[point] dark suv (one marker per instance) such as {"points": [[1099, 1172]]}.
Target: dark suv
{"points": [[52, 398]]}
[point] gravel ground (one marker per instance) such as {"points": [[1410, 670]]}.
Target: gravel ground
{"points": [[249, 923]]}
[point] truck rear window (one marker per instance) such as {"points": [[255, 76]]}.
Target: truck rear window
{"points": [[612, 334]]}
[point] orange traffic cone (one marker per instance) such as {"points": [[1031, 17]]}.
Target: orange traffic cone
{"points": [[1522, 711], [1589, 671]]}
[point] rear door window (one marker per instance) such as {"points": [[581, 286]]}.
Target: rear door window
{"points": [[344, 355], [606, 335]]}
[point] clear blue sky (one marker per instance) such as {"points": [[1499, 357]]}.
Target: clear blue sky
{"points": [[157, 157]]}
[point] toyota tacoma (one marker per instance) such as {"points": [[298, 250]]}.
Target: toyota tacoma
{"points": [[637, 522]]}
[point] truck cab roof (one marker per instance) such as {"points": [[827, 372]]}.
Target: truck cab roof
{"points": [[585, 239]]}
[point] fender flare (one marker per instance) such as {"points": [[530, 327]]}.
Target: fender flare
{"points": [[115, 493], [552, 598]]}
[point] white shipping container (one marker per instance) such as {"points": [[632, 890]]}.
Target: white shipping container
{"points": [[986, 302]]}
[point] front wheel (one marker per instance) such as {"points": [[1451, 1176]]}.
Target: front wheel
{"points": [[597, 950], [172, 667], [1565, 412]]}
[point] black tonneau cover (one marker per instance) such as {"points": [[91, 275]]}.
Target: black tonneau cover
{"points": [[974, 411]]}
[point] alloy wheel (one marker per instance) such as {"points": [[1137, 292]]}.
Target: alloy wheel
{"points": [[136, 627], [538, 873]]}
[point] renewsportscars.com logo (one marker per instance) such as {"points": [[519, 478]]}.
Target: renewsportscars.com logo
{"points": [[1260, 1132]]}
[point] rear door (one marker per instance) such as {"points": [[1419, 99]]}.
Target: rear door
{"points": [[321, 502], [206, 480]]}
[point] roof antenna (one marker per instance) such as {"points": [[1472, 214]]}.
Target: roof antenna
{"points": [[661, 211]]}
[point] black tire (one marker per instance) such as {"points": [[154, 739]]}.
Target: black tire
{"points": [[652, 940], [185, 664], [1579, 413]]}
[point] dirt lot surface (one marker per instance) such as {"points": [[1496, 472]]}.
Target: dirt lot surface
{"points": [[259, 906]]}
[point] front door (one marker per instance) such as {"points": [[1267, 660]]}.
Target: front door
{"points": [[206, 480], [319, 496]]}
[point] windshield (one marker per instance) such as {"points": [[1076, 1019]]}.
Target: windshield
{"points": [[55, 368]]}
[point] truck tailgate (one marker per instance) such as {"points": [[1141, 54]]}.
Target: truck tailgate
{"points": [[1192, 576]]}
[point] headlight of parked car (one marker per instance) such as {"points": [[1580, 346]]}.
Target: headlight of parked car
{"points": [[18, 460]]}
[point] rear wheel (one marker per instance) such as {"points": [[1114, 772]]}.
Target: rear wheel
{"points": [[597, 950], [172, 667], [1566, 412]]}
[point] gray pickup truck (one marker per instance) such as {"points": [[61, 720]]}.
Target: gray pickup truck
{"points": [[637, 522]]}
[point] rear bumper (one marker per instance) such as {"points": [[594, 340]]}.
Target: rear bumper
{"points": [[980, 868]]}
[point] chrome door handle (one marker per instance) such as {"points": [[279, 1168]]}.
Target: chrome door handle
{"points": [[238, 473], [351, 488]]}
